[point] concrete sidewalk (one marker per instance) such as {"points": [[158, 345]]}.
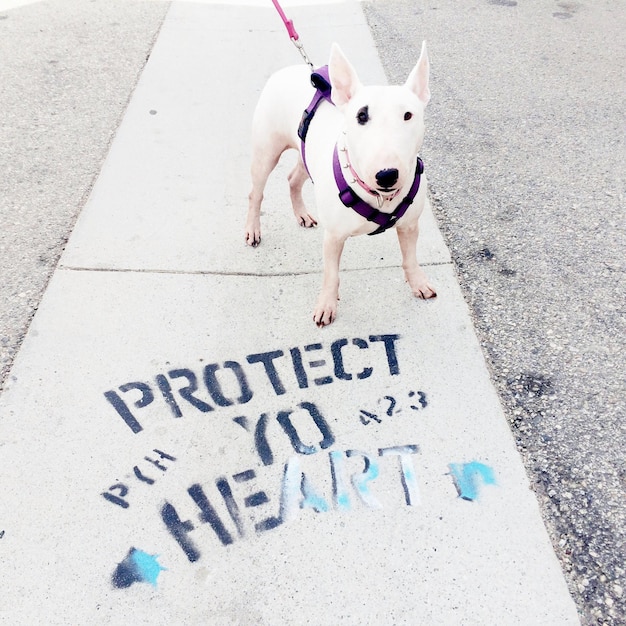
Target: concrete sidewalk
{"points": [[181, 444]]}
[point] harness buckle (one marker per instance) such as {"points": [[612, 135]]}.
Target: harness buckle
{"points": [[305, 122], [320, 82], [348, 197], [351, 199]]}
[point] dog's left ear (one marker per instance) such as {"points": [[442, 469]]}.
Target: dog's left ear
{"points": [[343, 77], [417, 81]]}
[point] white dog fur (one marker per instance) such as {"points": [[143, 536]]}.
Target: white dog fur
{"points": [[382, 128]]}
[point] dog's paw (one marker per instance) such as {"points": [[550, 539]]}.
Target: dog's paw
{"points": [[325, 311], [420, 286], [253, 239], [253, 233], [425, 292], [306, 220], [303, 217]]}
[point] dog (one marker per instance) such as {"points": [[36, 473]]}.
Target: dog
{"points": [[369, 137]]}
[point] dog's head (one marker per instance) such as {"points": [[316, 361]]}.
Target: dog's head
{"points": [[384, 126]]}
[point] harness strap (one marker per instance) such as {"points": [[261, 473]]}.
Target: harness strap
{"points": [[321, 81], [351, 200]]}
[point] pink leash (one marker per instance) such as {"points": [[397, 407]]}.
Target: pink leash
{"points": [[293, 34]]}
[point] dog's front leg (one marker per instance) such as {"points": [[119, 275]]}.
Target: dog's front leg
{"points": [[326, 307], [414, 274]]}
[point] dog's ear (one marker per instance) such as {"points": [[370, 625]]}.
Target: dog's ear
{"points": [[343, 77], [417, 81]]}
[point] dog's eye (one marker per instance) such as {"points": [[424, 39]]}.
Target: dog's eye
{"points": [[407, 116], [363, 116]]}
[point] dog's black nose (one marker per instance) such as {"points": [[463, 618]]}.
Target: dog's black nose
{"points": [[387, 178]]}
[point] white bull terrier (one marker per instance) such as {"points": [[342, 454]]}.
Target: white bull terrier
{"points": [[361, 153]]}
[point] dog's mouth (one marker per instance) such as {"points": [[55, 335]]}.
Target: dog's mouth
{"points": [[388, 193]]}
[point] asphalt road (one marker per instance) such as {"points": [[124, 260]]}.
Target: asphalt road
{"points": [[525, 151]]}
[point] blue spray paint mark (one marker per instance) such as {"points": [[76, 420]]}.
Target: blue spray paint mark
{"points": [[468, 477], [311, 498], [340, 487], [290, 491], [409, 480], [298, 492], [147, 565], [137, 567], [360, 481]]}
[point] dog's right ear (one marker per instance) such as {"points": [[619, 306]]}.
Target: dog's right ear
{"points": [[418, 78], [343, 77]]}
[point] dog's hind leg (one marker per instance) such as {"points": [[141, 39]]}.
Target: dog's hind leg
{"points": [[414, 274], [297, 177], [265, 156]]}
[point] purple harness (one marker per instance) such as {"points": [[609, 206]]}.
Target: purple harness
{"points": [[348, 197]]}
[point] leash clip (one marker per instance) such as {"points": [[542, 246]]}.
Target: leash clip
{"points": [[302, 52]]}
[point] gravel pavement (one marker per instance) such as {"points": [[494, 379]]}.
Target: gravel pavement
{"points": [[525, 150]]}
